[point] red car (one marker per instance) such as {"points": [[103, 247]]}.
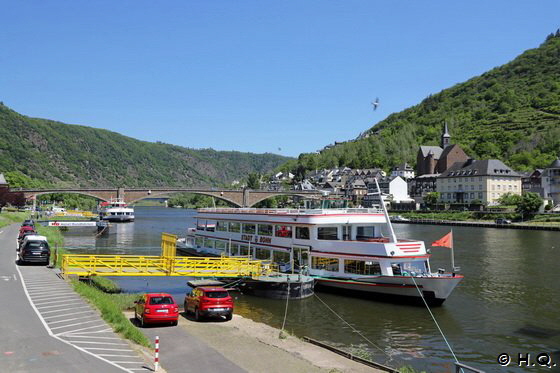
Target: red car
{"points": [[156, 308], [209, 301]]}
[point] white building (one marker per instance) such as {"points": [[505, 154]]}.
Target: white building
{"points": [[394, 189], [404, 170], [485, 181]]}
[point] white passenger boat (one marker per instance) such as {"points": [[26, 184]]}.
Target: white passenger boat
{"points": [[354, 251], [116, 210]]}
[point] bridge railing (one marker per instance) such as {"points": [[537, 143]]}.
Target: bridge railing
{"points": [[132, 265]]}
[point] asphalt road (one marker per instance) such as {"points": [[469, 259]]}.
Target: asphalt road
{"points": [[25, 345]]}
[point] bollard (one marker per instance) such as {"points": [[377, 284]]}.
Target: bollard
{"points": [[156, 359]]}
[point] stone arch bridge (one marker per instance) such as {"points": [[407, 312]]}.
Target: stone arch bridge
{"points": [[239, 198]]}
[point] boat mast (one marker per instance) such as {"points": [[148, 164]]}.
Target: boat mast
{"points": [[391, 231]]}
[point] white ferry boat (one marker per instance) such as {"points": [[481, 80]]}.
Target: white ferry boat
{"points": [[116, 210], [343, 249]]}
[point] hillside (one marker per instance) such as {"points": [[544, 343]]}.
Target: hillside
{"points": [[60, 154], [510, 113]]}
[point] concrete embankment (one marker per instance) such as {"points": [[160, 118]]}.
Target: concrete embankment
{"points": [[246, 346]]}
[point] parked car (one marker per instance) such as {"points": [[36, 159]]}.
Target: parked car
{"points": [[503, 221], [23, 230], [28, 223], [156, 308], [209, 301], [34, 249]]}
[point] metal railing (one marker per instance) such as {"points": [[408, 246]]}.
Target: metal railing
{"points": [[290, 211], [132, 265]]}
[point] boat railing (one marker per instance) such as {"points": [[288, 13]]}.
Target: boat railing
{"points": [[290, 211]]}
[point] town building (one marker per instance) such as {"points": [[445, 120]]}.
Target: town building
{"points": [[394, 189], [551, 182], [435, 159], [403, 170], [532, 182], [477, 181]]}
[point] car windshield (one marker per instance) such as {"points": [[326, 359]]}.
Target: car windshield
{"points": [[37, 245], [161, 300], [217, 294]]}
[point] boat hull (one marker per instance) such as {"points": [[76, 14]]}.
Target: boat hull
{"points": [[398, 289], [298, 287]]}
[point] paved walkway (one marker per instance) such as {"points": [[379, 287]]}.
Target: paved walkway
{"points": [[47, 327]]}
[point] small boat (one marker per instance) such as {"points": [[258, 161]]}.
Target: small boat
{"points": [[352, 251], [116, 210]]}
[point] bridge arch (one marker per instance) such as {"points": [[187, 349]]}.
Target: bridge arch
{"points": [[89, 194], [265, 196], [157, 194]]}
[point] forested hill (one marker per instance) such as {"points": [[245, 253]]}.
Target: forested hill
{"points": [[54, 153], [510, 113]]}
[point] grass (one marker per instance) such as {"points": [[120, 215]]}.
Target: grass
{"points": [[111, 307], [409, 369], [106, 285], [7, 218], [56, 241]]}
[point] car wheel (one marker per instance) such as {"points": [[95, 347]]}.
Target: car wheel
{"points": [[196, 314], [229, 316], [186, 309], [174, 323]]}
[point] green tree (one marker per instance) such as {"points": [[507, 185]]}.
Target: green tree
{"points": [[431, 198], [529, 203], [509, 199], [254, 180]]}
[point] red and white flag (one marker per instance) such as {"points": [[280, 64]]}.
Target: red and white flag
{"points": [[445, 241]]}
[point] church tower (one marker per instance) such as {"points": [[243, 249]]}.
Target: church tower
{"points": [[445, 138]]}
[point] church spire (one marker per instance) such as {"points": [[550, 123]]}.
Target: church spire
{"points": [[445, 137]]}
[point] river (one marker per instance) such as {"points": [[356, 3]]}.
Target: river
{"points": [[509, 301]]}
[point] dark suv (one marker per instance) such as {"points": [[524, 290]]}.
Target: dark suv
{"points": [[34, 252], [209, 301]]}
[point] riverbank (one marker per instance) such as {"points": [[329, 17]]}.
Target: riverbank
{"points": [[256, 347], [545, 226]]}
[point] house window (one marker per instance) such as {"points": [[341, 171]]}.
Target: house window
{"points": [[328, 264], [249, 228], [327, 233], [283, 231], [480, 195], [234, 227], [302, 233]]}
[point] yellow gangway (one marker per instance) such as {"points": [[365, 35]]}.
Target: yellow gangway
{"points": [[167, 264]]}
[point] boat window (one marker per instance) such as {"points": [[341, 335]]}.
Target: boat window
{"points": [[283, 231], [221, 226], [199, 242], [327, 233], [265, 230], [200, 224], [409, 268], [346, 232], [262, 253], [362, 267], [234, 249], [280, 257], [302, 233], [234, 227], [221, 245], [209, 242], [364, 233], [210, 225], [249, 228], [243, 250], [328, 264]]}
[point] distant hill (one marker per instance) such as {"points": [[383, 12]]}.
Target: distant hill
{"points": [[54, 153], [511, 113]]}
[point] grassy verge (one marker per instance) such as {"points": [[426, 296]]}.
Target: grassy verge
{"points": [[111, 307], [105, 285], [7, 218], [56, 241]]}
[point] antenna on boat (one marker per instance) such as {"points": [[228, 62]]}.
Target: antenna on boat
{"points": [[391, 231]]}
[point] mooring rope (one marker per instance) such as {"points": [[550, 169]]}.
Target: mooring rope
{"points": [[286, 310], [435, 321], [353, 329]]}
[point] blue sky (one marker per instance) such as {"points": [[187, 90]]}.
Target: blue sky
{"points": [[251, 75]]}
